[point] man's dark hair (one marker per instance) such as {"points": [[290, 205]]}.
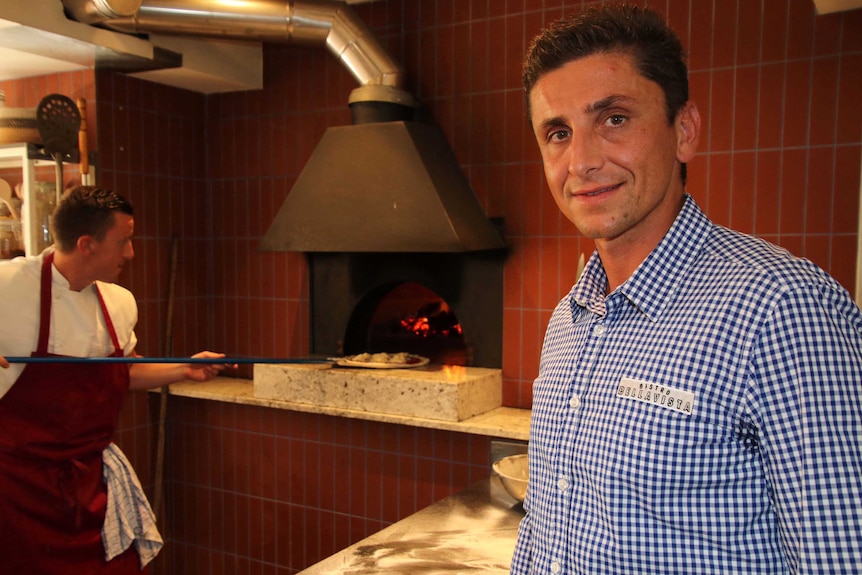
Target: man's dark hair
{"points": [[635, 30], [86, 211]]}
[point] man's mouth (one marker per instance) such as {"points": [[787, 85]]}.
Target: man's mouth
{"points": [[595, 191]]}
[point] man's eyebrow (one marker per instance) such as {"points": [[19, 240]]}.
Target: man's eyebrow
{"points": [[592, 108], [605, 103], [552, 122]]}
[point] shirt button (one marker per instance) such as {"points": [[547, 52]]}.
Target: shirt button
{"points": [[556, 567], [575, 402], [562, 483], [599, 329]]}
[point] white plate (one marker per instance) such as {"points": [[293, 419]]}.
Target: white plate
{"points": [[359, 361]]}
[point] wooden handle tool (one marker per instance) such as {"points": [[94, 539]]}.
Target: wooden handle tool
{"points": [[83, 150]]}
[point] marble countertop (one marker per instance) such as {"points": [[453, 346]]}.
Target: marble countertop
{"points": [[503, 422], [473, 530]]}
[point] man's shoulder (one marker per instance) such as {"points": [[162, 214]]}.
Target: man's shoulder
{"points": [[115, 292], [21, 269], [764, 262], [121, 305], [745, 259]]}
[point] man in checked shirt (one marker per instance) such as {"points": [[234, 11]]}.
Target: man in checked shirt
{"points": [[697, 407]]}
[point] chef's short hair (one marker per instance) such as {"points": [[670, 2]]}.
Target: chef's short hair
{"points": [[86, 211]]}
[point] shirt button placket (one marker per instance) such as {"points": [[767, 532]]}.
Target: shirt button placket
{"points": [[598, 330]]}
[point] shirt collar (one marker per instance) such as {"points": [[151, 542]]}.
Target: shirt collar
{"points": [[653, 284], [59, 279]]}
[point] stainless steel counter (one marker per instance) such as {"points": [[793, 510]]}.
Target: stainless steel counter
{"points": [[471, 531]]}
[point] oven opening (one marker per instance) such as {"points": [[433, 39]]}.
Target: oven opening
{"points": [[447, 307], [408, 317]]}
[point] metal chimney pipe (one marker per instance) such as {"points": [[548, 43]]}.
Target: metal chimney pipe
{"points": [[95, 11], [309, 22]]}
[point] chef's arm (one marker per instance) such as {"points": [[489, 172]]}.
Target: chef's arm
{"points": [[149, 375]]}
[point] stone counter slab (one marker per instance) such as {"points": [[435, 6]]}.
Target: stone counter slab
{"points": [[444, 393]]}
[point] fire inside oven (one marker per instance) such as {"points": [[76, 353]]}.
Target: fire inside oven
{"points": [[447, 307], [414, 319]]}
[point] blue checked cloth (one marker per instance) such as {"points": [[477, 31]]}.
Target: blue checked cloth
{"points": [[703, 418], [129, 518]]}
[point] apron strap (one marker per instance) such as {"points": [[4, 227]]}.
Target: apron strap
{"points": [[45, 305], [118, 351]]}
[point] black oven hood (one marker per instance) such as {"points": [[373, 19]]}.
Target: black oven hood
{"points": [[392, 186]]}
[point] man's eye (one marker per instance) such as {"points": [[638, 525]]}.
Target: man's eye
{"points": [[616, 120], [558, 135]]}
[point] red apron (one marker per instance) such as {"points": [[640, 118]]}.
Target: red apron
{"points": [[54, 423]]}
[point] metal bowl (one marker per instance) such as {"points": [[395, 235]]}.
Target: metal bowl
{"points": [[514, 474]]}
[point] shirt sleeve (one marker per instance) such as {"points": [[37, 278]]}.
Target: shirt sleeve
{"points": [[805, 400], [521, 560]]}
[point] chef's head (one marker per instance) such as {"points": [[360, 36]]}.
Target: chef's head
{"points": [[89, 211]]}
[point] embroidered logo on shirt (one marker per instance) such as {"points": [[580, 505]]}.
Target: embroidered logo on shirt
{"points": [[659, 395]]}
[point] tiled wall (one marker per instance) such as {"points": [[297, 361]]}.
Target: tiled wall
{"points": [[779, 158], [255, 491]]}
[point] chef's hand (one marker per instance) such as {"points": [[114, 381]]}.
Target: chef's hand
{"points": [[3, 363], [205, 371]]}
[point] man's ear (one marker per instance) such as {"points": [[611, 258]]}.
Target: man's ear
{"points": [[85, 244], [688, 132]]}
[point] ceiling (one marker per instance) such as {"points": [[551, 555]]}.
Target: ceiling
{"points": [[37, 39], [17, 64]]}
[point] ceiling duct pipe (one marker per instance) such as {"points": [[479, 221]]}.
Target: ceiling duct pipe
{"points": [[387, 183], [279, 21]]}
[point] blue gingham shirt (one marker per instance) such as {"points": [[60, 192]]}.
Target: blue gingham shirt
{"points": [[704, 417]]}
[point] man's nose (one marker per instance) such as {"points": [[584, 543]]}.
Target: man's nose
{"points": [[584, 153]]}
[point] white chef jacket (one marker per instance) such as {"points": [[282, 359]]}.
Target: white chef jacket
{"points": [[78, 326]]}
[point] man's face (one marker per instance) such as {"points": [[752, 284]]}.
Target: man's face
{"points": [[611, 158], [111, 253]]}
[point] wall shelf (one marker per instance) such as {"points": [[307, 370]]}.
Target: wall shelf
{"points": [[26, 158]]}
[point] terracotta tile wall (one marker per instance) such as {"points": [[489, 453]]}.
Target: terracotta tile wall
{"points": [[257, 490], [779, 158], [778, 88]]}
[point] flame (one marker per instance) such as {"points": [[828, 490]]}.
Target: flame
{"points": [[454, 372], [422, 327]]}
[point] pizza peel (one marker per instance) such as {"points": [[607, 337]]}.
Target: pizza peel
{"points": [[131, 359], [58, 121]]}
